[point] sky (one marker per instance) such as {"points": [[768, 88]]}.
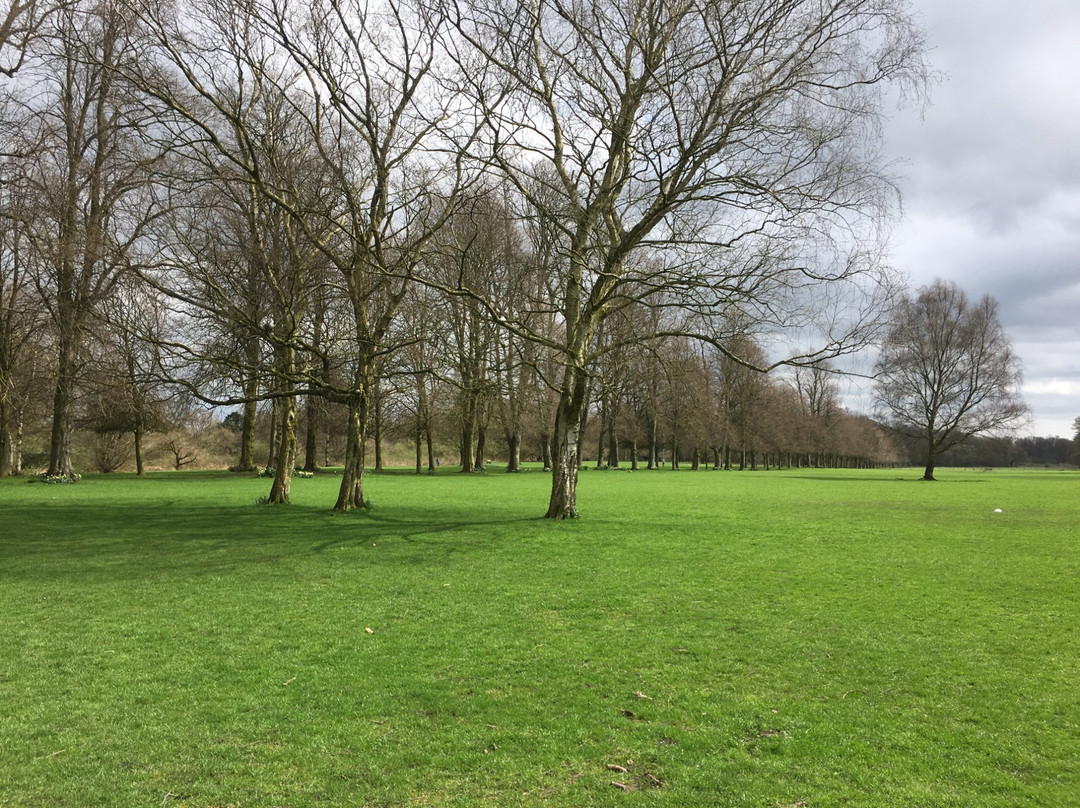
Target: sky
{"points": [[990, 177]]}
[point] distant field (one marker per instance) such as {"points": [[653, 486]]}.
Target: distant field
{"points": [[794, 638]]}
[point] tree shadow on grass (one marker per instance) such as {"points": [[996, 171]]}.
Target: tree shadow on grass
{"points": [[135, 541]]}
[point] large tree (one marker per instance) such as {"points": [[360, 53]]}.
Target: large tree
{"points": [[86, 178], [734, 142], [367, 83], [947, 371]]}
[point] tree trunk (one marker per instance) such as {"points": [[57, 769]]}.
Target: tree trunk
{"points": [[247, 430], [481, 446], [633, 454], [139, 469], [545, 450], [423, 426], [613, 445], [286, 453], [564, 476], [351, 493], [466, 447], [311, 434], [513, 445], [7, 443], [271, 453], [931, 460], [654, 455], [584, 420], [63, 402], [16, 446], [377, 430]]}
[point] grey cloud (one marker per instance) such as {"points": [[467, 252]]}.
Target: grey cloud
{"points": [[992, 181]]}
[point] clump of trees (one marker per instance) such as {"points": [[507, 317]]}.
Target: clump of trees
{"points": [[653, 226]]}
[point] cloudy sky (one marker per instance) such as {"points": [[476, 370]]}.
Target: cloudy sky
{"points": [[991, 181]]}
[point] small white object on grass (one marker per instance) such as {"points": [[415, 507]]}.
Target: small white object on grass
{"points": [[997, 510]]}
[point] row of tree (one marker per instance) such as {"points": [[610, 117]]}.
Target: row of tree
{"points": [[627, 211]]}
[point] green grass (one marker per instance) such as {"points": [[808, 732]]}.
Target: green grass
{"points": [[769, 639]]}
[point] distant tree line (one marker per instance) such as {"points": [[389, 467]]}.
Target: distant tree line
{"points": [[998, 452]]}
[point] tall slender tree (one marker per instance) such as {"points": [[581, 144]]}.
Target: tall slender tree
{"points": [[89, 181]]}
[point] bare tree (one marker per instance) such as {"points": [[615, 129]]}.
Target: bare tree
{"points": [[86, 183], [367, 85], [947, 371], [734, 142]]}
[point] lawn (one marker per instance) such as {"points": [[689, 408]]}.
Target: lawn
{"points": [[696, 639]]}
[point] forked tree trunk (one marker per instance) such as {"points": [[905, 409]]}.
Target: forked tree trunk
{"points": [[564, 447], [351, 493]]}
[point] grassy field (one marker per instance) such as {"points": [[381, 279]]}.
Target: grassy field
{"points": [[769, 639]]}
